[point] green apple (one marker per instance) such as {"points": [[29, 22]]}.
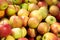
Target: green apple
{"points": [[50, 19], [43, 11], [33, 22], [38, 37], [17, 1], [54, 10], [49, 36], [11, 10], [23, 12], [15, 21], [35, 13], [32, 7]]}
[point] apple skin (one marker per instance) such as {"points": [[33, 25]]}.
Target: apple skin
{"points": [[33, 22], [32, 7], [43, 11], [9, 37], [35, 14], [42, 3], [31, 38], [31, 32], [17, 1], [2, 13], [50, 19], [58, 4], [3, 5], [10, 2], [22, 39], [25, 20], [54, 10], [16, 21], [58, 38], [23, 12], [49, 36], [58, 17], [43, 28], [38, 37], [10, 10], [5, 29]]}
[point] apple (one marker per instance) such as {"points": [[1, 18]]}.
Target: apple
{"points": [[43, 28], [43, 11], [38, 37], [11, 10], [25, 20], [10, 2], [58, 4], [9, 37], [33, 1], [31, 38], [58, 17], [35, 14], [50, 19], [3, 5], [17, 1], [15, 21], [53, 10], [32, 7], [16, 33], [22, 39], [42, 3], [58, 38], [2, 13], [25, 6], [5, 29], [33, 22], [23, 12], [31, 32], [49, 36]]}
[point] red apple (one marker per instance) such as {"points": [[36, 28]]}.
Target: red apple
{"points": [[31, 38], [5, 29], [58, 4], [22, 39], [42, 3]]}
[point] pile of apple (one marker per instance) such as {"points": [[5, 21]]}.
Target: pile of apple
{"points": [[29, 19]]}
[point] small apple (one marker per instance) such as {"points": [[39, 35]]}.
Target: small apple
{"points": [[33, 1], [10, 10], [17, 1], [31, 38], [16, 33], [38, 37], [25, 20], [23, 12], [43, 28], [43, 11], [33, 22], [5, 29], [49, 36], [32, 7], [15, 21], [42, 3], [2, 13], [31, 32], [25, 6], [50, 19], [3, 5], [53, 10], [35, 14], [22, 39], [9, 37]]}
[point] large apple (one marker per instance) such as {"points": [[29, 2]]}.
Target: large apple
{"points": [[23, 12], [32, 7], [43, 11], [16, 21], [43, 28], [31, 32], [49, 36], [33, 22], [35, 14], [10, 10], [54, 10], [3, 5], [50, 19]]}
